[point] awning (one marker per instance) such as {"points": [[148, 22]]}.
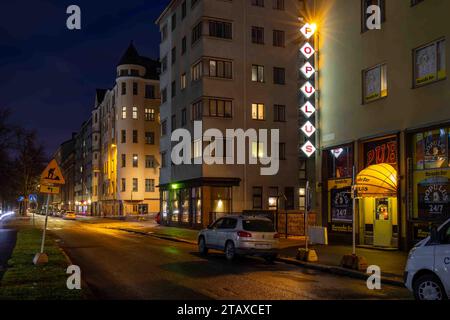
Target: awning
{"points": [[377, 181]]}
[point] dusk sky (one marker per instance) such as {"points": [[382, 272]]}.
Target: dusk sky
{"points": [[49, 74]]}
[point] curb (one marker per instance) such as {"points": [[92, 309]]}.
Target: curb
{"points": [[157, 235], [338, 271]]}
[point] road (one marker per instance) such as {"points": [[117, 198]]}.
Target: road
{"points": [[121, 265]]}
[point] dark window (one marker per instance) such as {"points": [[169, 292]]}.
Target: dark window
{"points": [[163, 160], [173, 89], [134, 72], [258, 225], [258, 35], [135, 185], [164, 64], [220, 29], [135, 88], [278, 38], [196, 33], [414, 2], [124, 88], [183, 45], [289, 202], [135, 160], [174, 21], [183, 117], [164, 128], [278, 4], [279, 75], [258, 3], [123, 136], [150, 138], [197, 110], [164, 95], [123, 185], [124, 160], [219, 108], [174, 55], [282, 151], [279, 113], [257, 197], [149, 91], [183, 10], [135, 136], [173, 123], [164, 32]]}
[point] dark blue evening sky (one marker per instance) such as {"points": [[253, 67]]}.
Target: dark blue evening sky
{"points": [[48, 74]]}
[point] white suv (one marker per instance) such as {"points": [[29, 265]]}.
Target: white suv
{"points": [[240, 235], [427, 272]]}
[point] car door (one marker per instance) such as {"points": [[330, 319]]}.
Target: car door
{"points": [[223, 233], [442, 257], [212, 233]]}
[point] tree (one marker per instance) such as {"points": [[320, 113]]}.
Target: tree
{"points": [[8, 133]]}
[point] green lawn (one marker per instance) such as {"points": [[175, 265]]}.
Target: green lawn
{"points": [[25, 281]]}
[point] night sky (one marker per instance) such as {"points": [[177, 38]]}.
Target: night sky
{"points": [[48, 74]]}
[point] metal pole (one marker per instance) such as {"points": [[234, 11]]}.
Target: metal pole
{"points": [[306, 215], [45, 225], [354, 212]]}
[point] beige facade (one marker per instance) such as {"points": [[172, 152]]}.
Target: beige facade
{"points": [[126, 150], [384, 98], [228, 64]]}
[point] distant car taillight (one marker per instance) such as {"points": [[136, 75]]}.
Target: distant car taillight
{"points": [[276, 236], [244, 234]]}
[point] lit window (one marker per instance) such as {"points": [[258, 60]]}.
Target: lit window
{"points": [[183, 83], [135, 112], [429, 63], [124, 112], [149, 114], [198, 148], [257, 73], [258, 150], [375, 83], [258, 111]]}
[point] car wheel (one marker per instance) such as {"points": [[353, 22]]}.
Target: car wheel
{"points": [[202, 249], [230, 251], [270, 257], [429, 287]]}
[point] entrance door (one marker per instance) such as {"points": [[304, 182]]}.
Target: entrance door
{"points": [[382, 233]]}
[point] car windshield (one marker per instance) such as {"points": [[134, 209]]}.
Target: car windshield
{"points": [[258, 225]]}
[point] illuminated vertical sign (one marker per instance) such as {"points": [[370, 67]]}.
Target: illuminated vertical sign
{"points": [[307, 89]]}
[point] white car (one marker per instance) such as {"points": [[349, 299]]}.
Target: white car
{"points": [[237, 235], [427, 272]]}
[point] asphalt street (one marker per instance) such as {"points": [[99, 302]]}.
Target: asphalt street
{"points": [[122, 265]]}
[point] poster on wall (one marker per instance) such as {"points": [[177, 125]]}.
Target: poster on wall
{"points": [[433, 195], [373, 84], [381, 151], [341, 205], [426, 67], [435, 149]]}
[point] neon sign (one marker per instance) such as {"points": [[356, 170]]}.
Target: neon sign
{"points": [[308, 89]]}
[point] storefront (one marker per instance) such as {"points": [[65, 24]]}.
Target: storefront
{"points": [[428, 179]]}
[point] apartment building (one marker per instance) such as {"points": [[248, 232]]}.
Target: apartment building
{"points": [[65, 157], [83, 168], [230, 65], [125, 140], [384, 109]]}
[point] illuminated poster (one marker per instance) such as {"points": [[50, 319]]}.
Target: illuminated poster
{"points": [[433, 194], [373, 84], [382, 209], [435, 149], [426, 64], [341, 205], [419, 151]]}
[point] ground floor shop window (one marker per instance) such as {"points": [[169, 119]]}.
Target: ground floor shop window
{"points": [[164, 203], [221, 200], [175, 205], [184, 200], [196, 194]]}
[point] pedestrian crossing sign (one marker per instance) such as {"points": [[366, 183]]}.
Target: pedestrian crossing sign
{"points": [[52, 174]]}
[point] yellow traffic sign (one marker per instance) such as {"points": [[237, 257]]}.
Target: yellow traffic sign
{"points": [[49, 189], [52, 174]]}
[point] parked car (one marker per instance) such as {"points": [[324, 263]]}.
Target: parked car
{"points": [[70, 215], [427, 272], [240, 235]]}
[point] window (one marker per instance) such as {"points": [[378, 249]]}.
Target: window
{"points": [[164, 64], [173, 124], [289, 201], [429, 63], [149, 114], [124, 160], [220, 29], [164, 33], [183, 82], [174, 21], [279, 113], [163, 159], [278, 38], [197, 148], [174, 55], [149, 161], [150, 138], [173, 90], [124, 88], [278, 4], [196, 32], [196, 71], [135, 113], [414, 2], [375, 83], [149, 91], [183, 117], [258, 150], [149, 185], [135, 160], [164, 128], [135, 185], [197, 110], [135, 88], [135, 136], [257, 73], [123, 185], [279, 75], [258, 35], [134, 73], [257, 197], [183, 10], [219, 69], [193, 3], [219, 108], [164, 95], [258, 3], [339, 162], [282, 151], [124, 112], [258, 111], [123, 136], [183, 45], [365, 16]]}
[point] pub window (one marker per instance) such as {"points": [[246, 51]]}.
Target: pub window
{"points": [[375, 83], [429, 63], [431, 149], [257, 197], [340, 162], [365, 16]]}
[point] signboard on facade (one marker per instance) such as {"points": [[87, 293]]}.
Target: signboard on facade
{"points": [[433, 197], [381, 151]]}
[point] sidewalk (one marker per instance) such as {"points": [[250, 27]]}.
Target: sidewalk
{"points": [[392, 263]]}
